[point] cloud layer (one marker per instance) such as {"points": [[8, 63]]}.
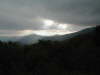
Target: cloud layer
{"points": [[26, 14]]}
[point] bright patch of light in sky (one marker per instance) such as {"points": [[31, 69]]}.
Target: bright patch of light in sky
{"points": [[51, 32], [49, 28], [48, 22], [62, 26]]}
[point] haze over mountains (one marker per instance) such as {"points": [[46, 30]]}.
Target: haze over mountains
{"points": [[75, 55], [33, 38], [49, 37]]}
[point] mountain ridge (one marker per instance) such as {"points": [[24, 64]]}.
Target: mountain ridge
{"points": [[34, 38]]}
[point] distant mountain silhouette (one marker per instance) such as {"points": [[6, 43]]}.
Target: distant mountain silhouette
{"points": [[68, 36], [34, 38], [30, 39], [75, 54], [80, 51]]}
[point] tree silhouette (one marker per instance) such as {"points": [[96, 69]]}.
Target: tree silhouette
{"points": [[76, 56]]}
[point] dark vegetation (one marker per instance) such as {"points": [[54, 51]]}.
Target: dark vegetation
{"points": [[76, 56]]}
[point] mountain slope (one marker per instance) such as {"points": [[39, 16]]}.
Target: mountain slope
{"points": [[79, 51], [68, 36], [78, 55], [34, 38]]}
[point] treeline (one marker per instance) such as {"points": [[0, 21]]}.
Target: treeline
{"points": [[73, 57]]}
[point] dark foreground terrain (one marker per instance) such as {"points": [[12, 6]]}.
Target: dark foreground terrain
{"points": [[75, 56]]}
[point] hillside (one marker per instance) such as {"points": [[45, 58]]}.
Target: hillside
{"points": [[71, 35], [74, 56], [29, 39]]}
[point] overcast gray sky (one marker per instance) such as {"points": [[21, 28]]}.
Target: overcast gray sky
{"points": [[19, 15]]}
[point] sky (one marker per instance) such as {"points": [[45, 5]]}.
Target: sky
{"points": [[47, 17]]}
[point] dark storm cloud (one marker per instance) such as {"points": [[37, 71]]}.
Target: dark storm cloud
{"points": [[23, 14]]}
